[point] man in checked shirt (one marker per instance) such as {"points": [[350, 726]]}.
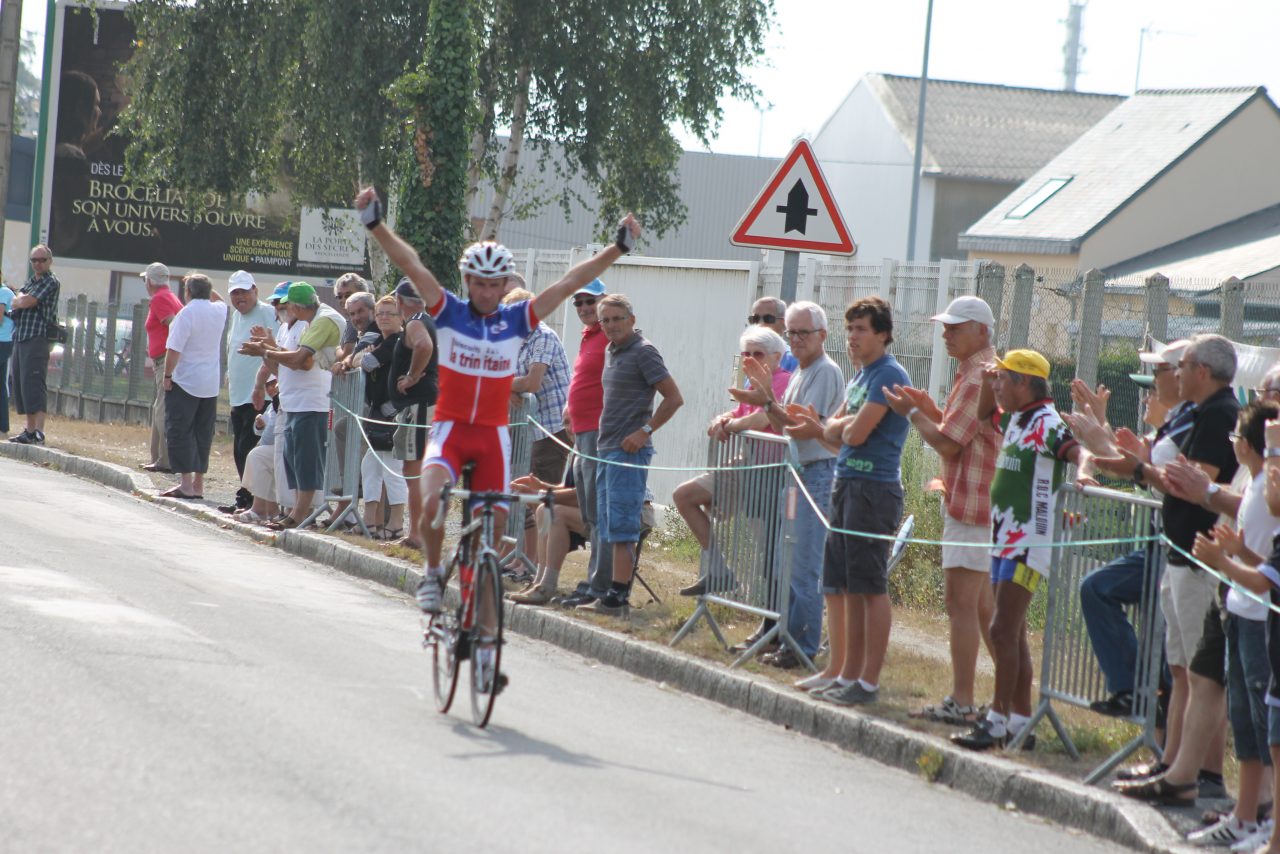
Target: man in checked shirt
{"points": [[968, 445]]}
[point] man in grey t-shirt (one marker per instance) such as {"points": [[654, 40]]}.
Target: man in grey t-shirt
{"points": [[633, 374], [815, 393]]}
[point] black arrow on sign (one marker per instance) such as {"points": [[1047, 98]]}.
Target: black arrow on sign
{"points": [[797, 209]]}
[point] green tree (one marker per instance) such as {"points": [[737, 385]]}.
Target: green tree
{"points": [[251, 81], [27, 104]]}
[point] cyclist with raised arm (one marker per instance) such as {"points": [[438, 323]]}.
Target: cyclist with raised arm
{"points": [[479, 339]]}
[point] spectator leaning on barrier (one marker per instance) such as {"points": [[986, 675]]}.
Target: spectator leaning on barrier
{"points": [[1248, 671], [867, 497], [192, 379], [1106, 592], [559, 535], [347, 286], [35, 308], [1036, 446], [242, 372], [380, 471], [634, 372], [413, 386], [814, 393], [586, 399], [163, 308], [771, 313], [6, 350], [543, 371], [967, 445], [694, 498], [305, 381]]}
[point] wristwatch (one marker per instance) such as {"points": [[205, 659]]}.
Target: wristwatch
{"points": [[1271, 452], [647, 429], [1211, 490]]}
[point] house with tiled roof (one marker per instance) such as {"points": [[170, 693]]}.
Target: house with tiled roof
{"points": [[1166, 177], [981, 141]]}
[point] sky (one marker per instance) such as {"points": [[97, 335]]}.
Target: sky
{"points": [[819, 49]]}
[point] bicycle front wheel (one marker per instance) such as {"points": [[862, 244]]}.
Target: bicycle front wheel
{"points": [[486, 649]]}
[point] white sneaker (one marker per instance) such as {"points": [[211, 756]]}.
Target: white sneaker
{"points": [[816, 682], [431, 592], [1227, 831], [1257, 840]]}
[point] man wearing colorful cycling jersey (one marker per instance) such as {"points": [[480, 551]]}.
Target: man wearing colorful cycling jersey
{"points": [[478, 339]]}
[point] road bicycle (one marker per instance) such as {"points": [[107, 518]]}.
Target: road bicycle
{"points": [[461, 634]]}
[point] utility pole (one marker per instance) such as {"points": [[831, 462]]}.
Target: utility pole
{"points": [[918, 160], [10, 44], [1072, 50]]}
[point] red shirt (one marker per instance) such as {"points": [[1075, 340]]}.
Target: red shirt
{"points": [[586, 393], [164, 305]]}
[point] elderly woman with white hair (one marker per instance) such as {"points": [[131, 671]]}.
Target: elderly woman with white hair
{"points": [[695, 498]]}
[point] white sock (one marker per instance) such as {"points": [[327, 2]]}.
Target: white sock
{"points": [[998, 722], [437, 571], [1017, 722], [844, 683], [867, 686]]}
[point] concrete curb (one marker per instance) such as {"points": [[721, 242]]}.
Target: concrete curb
{"points": [[984, 777]]}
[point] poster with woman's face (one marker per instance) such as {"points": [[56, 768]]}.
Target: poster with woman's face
{"points": [[95, 214]]}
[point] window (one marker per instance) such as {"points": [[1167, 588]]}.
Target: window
{"points": [[1038, 198]]}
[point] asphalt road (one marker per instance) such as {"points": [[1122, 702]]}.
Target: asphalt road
{"points": [[168, 686]]}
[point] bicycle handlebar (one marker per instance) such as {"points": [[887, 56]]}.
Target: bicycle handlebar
{"points": [[547, 499]]}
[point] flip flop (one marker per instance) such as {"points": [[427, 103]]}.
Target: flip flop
{"points": [[175, 492]]}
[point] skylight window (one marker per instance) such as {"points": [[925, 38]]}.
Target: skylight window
{"points": [[1038, 198]]}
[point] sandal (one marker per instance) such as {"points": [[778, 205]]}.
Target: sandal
{"points": [[249, 517], [1158, 790], [385, 534], [284, 524], [176, 492], [948, 712], [409, 543]]}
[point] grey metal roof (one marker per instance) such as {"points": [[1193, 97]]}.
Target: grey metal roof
{"points": [[986, 131], [1110, 164], [717, 189], [1247, 247]]}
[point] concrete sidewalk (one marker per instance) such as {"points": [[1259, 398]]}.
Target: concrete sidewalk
{"points": [[984, 777]]}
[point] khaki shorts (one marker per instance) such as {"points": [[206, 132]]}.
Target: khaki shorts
{"points": [[976, 557], [706, 480], [1185, 596]]}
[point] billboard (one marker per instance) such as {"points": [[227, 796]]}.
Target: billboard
{"points": [[94, 214]]}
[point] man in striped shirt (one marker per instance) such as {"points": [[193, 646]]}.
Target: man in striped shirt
{"points": [[968, 445]]}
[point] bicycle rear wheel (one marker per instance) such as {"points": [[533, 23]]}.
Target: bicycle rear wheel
{"points": [[486, 674]]}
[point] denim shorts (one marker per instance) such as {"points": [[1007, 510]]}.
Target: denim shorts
{"points": [[620, 494], [1248, 671]]}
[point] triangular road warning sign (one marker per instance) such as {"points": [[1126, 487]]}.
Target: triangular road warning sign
{"points": [[796, 211]]}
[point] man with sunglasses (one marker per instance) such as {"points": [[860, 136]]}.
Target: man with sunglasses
{"points": [[586, 402], [771, 312], [34, 309]]}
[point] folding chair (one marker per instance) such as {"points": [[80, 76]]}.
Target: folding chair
{"points": [[635, 569]]}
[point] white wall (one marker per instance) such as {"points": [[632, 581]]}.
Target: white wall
{"points": [[868, 166], [693, 312]]}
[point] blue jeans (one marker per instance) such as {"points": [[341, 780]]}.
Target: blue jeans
{"points": [[804, 617], [600, 563], [620, 494], [1103, 595], [1248, 671]]}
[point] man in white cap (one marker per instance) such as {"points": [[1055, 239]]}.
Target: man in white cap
{"points": [[968, 445], [164, 307], [242, 372]]}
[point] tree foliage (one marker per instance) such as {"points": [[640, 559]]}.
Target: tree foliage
{"points": [[222, 90]]}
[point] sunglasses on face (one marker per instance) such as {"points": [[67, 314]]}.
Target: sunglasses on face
{"points": [[579, 302], [755, 354], [763, 318]]}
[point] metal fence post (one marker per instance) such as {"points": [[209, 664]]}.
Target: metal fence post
{"points": [[1157, 308], [522, 435], [1024, 280], [1231, 321], [888, 269], [939, 361], [138, 349], [68, 346], [1090, 335]]}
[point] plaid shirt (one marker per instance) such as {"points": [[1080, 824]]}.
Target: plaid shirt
{"points": [[543, 347], [33, 322], [967, 476]]}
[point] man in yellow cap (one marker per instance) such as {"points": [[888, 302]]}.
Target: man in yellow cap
{"points": [[1036, 446]]}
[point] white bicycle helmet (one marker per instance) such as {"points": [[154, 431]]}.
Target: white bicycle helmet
{"points": [[487, 260]]}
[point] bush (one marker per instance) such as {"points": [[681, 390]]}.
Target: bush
{"points": [[917, 580]]}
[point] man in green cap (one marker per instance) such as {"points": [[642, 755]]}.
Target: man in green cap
{"points": [[305, 381], [1036, 446]]}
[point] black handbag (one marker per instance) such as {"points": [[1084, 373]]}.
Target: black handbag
{"points": [[56, 333]]}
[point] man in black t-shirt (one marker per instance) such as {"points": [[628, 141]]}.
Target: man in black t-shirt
{"points": [[1194, 641]]}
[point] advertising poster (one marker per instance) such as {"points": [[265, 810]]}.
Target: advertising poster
{"points": [[94, 214]]}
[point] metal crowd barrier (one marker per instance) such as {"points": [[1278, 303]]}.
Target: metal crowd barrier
{"points": [[343, 451], [523, 435], [1069, 671], [748, 566]]}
